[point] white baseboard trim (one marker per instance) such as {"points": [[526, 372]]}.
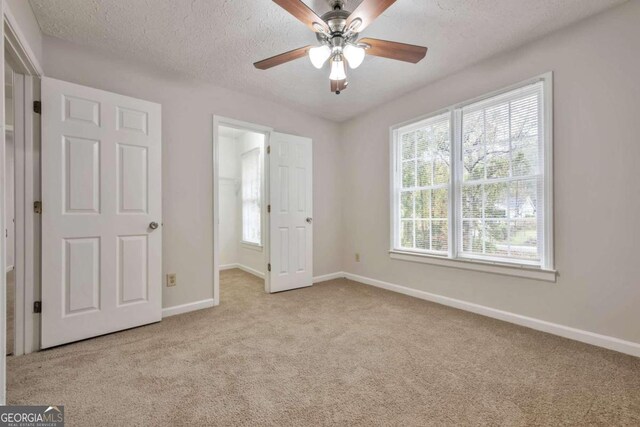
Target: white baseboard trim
{"points": [[243, 268], [611, 343], [316, 279], [251, 271], [330, 276], [185, 308]]}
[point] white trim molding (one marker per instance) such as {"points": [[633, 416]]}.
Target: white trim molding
{"points": [[243, 268], [251, 246], [14, 36], [327, 277], [529, 272], [316, 279], [605, 341], [185, 308], [3, 259], [251, 271]]}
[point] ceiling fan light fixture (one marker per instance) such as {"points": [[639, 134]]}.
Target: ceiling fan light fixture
{"points": [[355, 24], [354, 55], [318, 28], [337, 32], [319, 55], [338, 71]]}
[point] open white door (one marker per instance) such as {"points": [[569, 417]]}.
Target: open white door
{"points": [[101, 210], [290, 229]]}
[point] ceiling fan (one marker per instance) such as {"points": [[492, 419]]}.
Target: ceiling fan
{"points": [[337, 31]]}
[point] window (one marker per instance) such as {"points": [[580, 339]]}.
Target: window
{"points": [[473, 183], [251, 166], [425, 180]]}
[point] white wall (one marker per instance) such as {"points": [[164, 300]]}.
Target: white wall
{"points": [[596, 65], [187, 108]]}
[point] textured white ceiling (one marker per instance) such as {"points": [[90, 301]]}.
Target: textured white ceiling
{"points": [[218, 41]]}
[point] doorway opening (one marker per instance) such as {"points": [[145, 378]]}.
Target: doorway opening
{"points": [[242, 204], [19, 175], [283, 170]]}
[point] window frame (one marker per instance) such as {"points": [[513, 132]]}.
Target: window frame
{"points": [[542, 270], [398, 188], [243, 156]]}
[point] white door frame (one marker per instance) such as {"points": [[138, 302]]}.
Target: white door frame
{"points": [[24, 62], [27, 186], [266, 131], [3, 242], [26, 190]]}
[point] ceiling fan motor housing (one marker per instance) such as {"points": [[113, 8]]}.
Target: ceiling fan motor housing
{"points": [[336, 4], [337, 22]]}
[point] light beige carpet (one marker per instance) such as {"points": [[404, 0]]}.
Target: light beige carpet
{"points": [[338, 353]]}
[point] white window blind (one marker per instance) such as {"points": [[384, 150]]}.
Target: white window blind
{"points": [[251, 169], [501, 176], [482, 194], [424, 176]]}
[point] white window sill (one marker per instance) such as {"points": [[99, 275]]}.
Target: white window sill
{"points": [[528, 272], [252, 246]]}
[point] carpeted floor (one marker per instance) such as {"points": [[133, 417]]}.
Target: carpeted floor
{"points": [[337, 353]]}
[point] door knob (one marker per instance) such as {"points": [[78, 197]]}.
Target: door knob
{"points": [[309, 220], [153, 225]]}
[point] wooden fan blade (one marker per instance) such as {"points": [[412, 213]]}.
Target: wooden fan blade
{"points": [[393, 50], [338, 85], [367, 11], [304, 14], [282, 58]]}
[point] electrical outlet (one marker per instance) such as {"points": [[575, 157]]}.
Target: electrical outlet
{"points": [[171, 279], [357, 257]]}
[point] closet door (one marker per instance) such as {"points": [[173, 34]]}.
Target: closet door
{"points": [[101, 217], [291, 219]]}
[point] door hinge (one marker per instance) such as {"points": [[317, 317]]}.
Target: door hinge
{"points": [[268, 208], [37, 107], [37, 207], [269, 267], [268, 149], [37, 306]]}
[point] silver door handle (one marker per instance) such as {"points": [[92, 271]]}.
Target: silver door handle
{"points": [[309, 220], [153, 225]]}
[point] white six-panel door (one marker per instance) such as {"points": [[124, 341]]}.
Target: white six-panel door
{"points": [[291, 223], [101, 191]]}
